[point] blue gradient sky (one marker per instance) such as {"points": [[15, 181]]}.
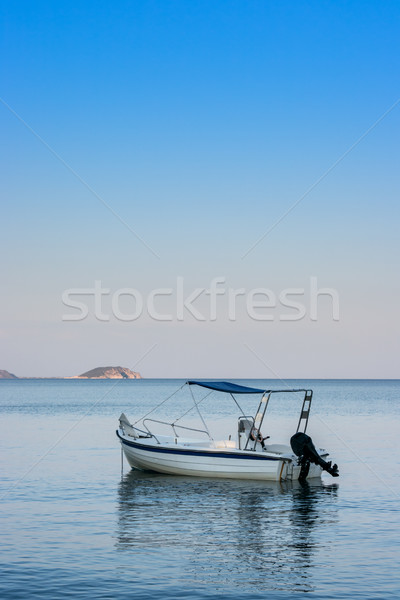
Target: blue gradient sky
{"points": [[200, 124]]}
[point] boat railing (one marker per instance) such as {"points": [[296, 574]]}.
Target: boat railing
{"points": [[174, 427], [140, 432]]}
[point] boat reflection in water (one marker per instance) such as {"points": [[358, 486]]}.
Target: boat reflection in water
{"points": [[240, 535]]}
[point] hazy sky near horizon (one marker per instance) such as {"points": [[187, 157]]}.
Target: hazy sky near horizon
{"points": [[152, 144]]}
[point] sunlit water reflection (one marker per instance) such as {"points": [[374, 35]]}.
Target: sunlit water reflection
{"points": [[234, 533]]}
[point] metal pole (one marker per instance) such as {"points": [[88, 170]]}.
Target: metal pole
{"points": [[200, 415]]}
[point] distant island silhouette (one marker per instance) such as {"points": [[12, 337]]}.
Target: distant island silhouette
{"points": [[97, 373], [109, 373], [7, 375]]}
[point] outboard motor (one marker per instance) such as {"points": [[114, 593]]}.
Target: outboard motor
{"points": [[304, 448]]}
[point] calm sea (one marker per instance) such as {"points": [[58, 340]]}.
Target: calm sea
{"points": [[74, 525]]}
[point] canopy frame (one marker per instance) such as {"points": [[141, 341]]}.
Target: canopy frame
{"points": [[232, 389]]}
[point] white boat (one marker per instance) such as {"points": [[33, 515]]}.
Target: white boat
{"points": [[249, 457]]}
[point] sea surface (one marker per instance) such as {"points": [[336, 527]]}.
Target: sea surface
{"points": [[77, 522]]}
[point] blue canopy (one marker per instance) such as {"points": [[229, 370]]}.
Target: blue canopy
{"points": [[225, 386]]}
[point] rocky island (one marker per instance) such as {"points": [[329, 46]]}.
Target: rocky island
{"points": [[109, 373], [6, 375]]}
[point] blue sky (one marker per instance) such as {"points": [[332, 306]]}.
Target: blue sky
{"points": [[199, 124]]}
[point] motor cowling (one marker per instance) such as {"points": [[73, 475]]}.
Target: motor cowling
{"points": [[303, 447]]}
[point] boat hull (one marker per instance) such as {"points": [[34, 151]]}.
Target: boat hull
{"points": [[210, 462]]}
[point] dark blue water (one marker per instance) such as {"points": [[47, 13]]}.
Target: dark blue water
{"points": [[72, 525]]}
